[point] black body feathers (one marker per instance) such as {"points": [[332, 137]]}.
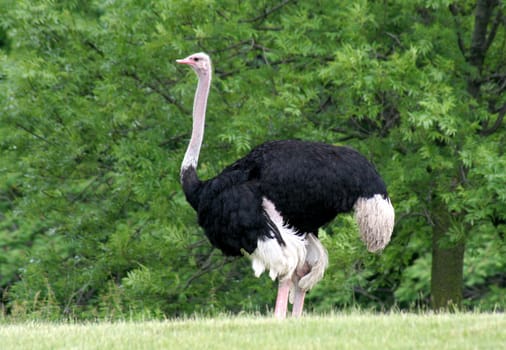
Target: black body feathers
{"points": [[308, 182]]}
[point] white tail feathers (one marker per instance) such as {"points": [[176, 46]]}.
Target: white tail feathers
{"points": [[375, 217]]}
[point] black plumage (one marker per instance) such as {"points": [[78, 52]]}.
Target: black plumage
{"points": [[309, 183]]}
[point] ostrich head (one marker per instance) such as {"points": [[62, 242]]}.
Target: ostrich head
{"points": [[200, 62]]}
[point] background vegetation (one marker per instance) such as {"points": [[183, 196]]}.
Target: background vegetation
{"points": [[95, 117]]}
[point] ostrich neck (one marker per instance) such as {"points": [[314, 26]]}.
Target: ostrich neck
{"points": [[191, 156]]}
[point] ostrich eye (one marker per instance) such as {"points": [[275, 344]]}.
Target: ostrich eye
{"points": [[196, 59]]}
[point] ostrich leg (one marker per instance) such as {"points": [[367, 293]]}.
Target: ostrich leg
{"points": [[282, 299], [298, 302], [299, 293]]}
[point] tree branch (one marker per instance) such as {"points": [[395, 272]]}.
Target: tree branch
{"points": [[267, 12], [455, 12], [208, 266], [484, 9], [395, 38], [493, 30], [497, 124], [22, 127], [157, 89], [174, 139], [362, 291]]}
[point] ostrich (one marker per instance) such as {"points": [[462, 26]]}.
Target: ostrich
{"points": [[270, 204]]}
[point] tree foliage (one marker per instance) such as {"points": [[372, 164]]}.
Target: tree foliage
{"points": [[95, 117]]}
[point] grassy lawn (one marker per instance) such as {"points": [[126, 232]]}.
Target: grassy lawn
{"points": [[339, 331]]}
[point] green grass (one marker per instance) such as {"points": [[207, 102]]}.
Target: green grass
{"points": [[337, 331]]}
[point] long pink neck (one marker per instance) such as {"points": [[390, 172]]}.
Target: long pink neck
{"points": [[191, 156]]}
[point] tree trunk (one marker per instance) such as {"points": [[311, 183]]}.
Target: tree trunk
{"points": [[448, 256], [447, 265]]}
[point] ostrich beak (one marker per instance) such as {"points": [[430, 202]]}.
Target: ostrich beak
{"points": [[184, 61]]}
